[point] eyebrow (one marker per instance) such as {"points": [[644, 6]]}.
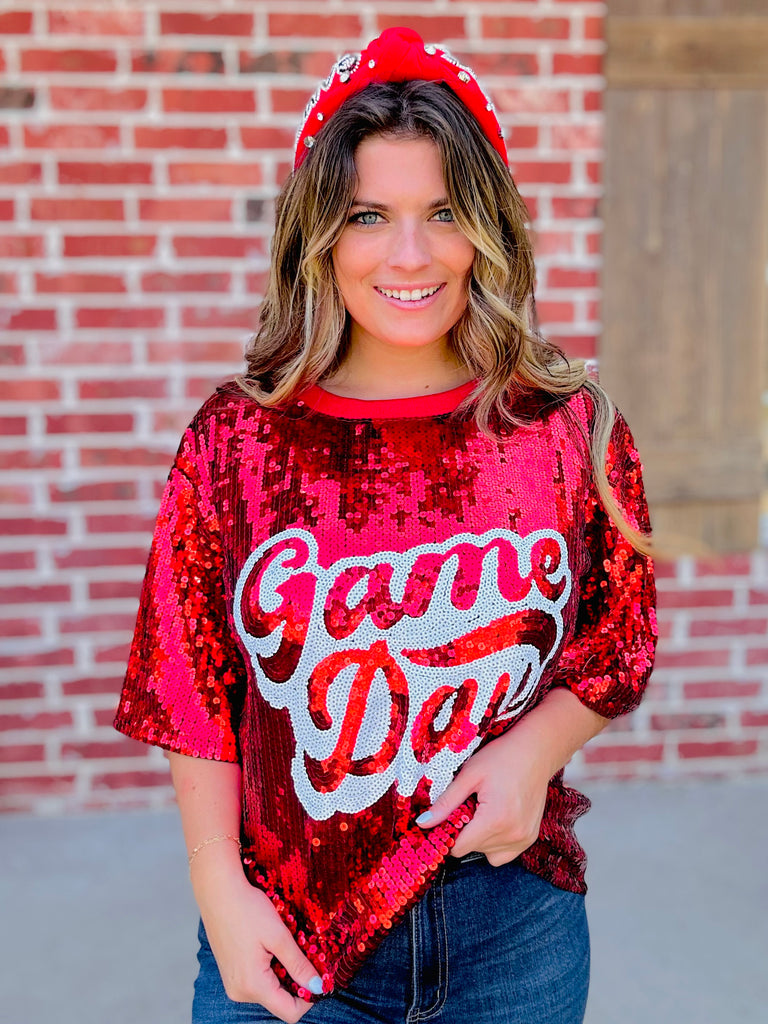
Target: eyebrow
{"points": [[372, 205]]}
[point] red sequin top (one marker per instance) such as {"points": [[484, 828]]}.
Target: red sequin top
{"points": [[348, 597]]}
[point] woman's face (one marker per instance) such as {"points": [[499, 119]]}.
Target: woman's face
{"points": [[401, 263]]}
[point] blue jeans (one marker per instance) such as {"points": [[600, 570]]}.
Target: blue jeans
{"points": [[484, 945]]}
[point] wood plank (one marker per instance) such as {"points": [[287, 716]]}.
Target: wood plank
{"points": [[684, 317], [687, 52]]}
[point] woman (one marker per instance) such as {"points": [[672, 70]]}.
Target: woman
{"points": [[399, 577]]}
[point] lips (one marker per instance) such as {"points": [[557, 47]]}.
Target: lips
{"points": [[410, 294]]}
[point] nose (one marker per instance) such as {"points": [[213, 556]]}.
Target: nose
{"points": [[410, 248]]}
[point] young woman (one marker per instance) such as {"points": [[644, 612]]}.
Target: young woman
{"points": [[399, 577]]}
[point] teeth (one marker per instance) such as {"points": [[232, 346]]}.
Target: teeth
{"points": [[404, 295]]}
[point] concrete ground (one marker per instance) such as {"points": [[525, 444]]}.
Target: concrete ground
{"points": [[98, 924]]}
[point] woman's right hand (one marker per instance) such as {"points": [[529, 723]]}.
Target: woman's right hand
{"points": [[246, 932]]}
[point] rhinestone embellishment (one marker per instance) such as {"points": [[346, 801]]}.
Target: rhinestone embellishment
{"points": [[463, 76], [309, 141]]}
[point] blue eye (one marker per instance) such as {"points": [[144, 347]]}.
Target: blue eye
{"points": [[366, 217], [445, 215]]}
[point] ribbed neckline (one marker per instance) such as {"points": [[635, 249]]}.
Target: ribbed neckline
{"points": [[439, 404]]}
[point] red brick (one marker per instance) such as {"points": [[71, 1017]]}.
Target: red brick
{"points": [[576, 136], [430, 29], [119, 747], [5, 138], [105, 590], [180, 138], [540, 172], [724, 565], [670, 722], [625, 752], [104, 717], [28, 390], [256, 284], [131, 780], [594, 172], [76, 172], [7, 209], [198, 388], [20, 173], [39, 785], [555, 312], [129, 318], [74, 61], [571, 277], [77, 209], [40, 659], [185, 210], [757, 656], [532, 99], [758, 596], [195, 351], [315, 26], [15, 722], [48, 593], [674, 598], [93, 457], [103, 622], [239, 101], [18, 753], [120, 523], [114, 653], [594, 28], [19, 627], [12, 355], [728, 627], [546, 243], [525, 28], [182, 62], [215, 174], [74, 284], [95, 22], [578, 207], [9, 284], [87, 353], [593, 101], [718, 748], [692, 659], [720, 689], [201, 282], [13, 426], [14, 561], [21, 246], [288, 101], [92, 684], [31, 527], [254, 137], [503, 63], [577, 64], [81, 98], [754, 719], [16, 22], [89, 423], [26, 459], [314, 63], [186, 23], [21, 691], [215, 316], [218, 246], [31, 320], [101, 490], [123, 388], [109, 245], [72, 136], [101, 558]]}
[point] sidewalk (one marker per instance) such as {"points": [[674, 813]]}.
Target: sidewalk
{"points": [[99, 925]]}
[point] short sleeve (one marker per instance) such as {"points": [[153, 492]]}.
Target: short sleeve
{"points": [[185, 680], [609, 660]]}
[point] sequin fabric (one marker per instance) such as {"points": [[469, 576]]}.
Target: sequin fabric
{"points": [[350, 606]]}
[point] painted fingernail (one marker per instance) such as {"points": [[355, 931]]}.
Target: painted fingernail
{"points": [[315, 985], [425, 818]]}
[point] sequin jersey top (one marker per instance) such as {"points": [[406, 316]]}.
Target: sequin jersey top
{"points": [[348, 598]]}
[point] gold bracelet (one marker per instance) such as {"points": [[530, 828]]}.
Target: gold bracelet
{"points": [[214, 839]]}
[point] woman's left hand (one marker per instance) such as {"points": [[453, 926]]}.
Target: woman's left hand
{"points": [[510, 776], [511, 793]]}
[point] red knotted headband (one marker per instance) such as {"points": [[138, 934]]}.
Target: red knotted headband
{"points": [[397, 55]]}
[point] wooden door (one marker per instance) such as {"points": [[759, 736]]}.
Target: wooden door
{"points": [[685, 257]]}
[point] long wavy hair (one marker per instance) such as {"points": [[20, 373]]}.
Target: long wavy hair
{"points": [[303, 332]]}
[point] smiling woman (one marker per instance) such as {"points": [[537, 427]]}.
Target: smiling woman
{"points": [[399, 577]]}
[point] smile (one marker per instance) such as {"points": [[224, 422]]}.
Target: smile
{"points": [[409, 294]]}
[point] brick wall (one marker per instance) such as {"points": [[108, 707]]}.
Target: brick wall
{"points": [[141, 145]]}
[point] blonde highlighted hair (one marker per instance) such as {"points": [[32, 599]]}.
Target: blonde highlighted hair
{"points": [[304, 332]]}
